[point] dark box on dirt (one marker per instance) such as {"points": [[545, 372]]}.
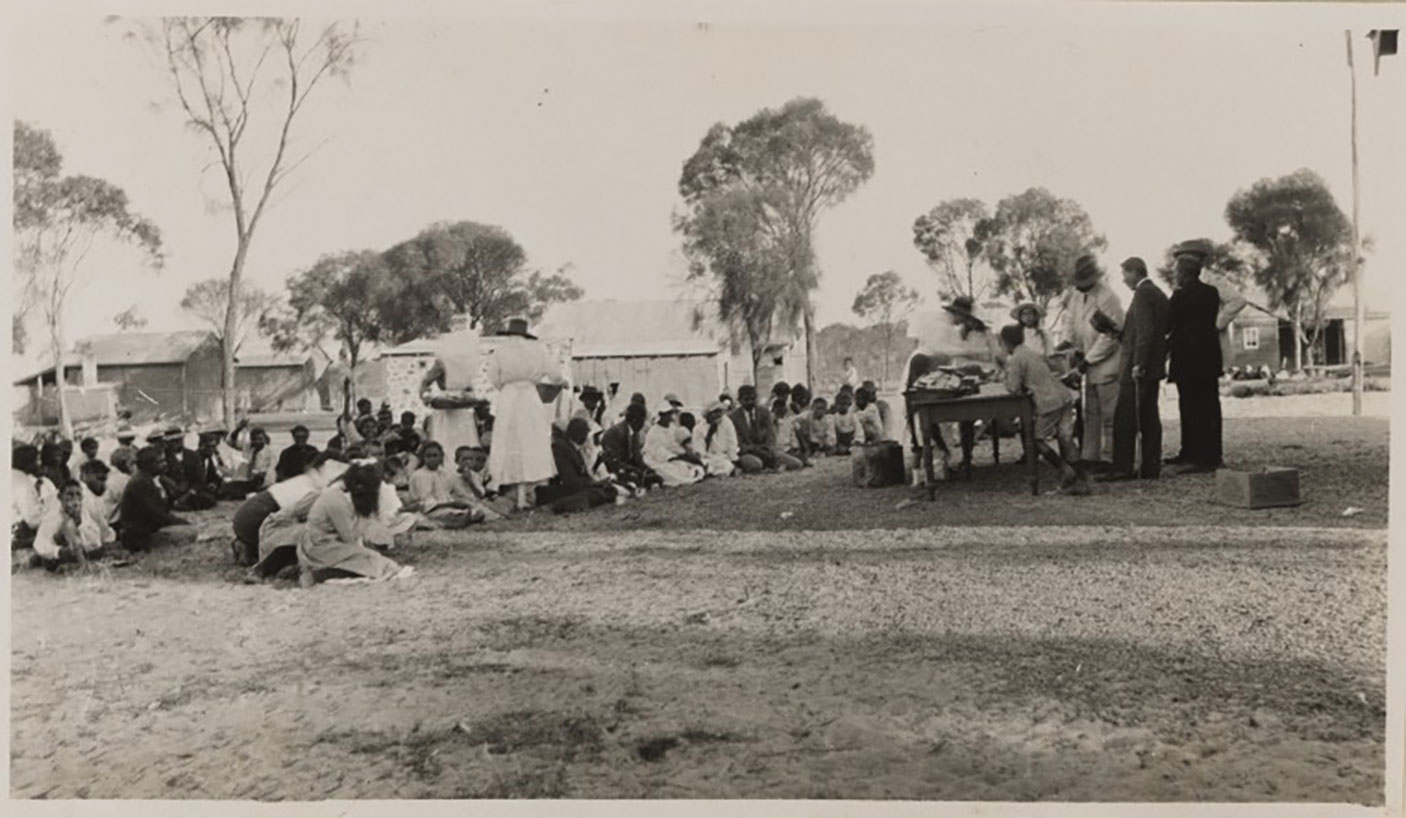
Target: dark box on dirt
{"points": [[1269, 487], [878, 464]]}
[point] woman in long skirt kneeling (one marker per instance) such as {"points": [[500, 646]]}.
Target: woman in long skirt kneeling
{"points": [[331, 545]]}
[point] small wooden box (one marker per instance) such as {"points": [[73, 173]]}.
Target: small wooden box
{"points": [[1269, 487]]}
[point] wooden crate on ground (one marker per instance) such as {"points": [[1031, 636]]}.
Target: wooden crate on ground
{"points": [[1267, 487]]}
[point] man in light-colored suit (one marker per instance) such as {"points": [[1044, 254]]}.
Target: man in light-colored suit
{"points": [[1099, 356]]}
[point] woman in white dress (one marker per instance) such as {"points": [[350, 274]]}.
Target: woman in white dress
{"points": [[716, 440], [667, 455], [521, 454], [452, 420]]}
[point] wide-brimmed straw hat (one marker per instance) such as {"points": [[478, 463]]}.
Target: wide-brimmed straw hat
{"points": [[518, 327]]}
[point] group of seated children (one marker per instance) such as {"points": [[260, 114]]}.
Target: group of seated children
{"points": [[812, 427]]}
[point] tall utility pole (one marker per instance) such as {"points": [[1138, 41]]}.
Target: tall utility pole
{"points": [[1358, 313]]}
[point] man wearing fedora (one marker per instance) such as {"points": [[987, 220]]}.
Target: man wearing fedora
{"points": [[1098, 356], [1194, 345], [1232, 301]]}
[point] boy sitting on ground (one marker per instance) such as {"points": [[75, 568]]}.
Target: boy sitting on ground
{"points": [[848, 431], [467, 484], [147, 520], [1028, 372], [871, 421], [785, 422], [815, 431], [430, 491], [71, 533], [99, 497]]}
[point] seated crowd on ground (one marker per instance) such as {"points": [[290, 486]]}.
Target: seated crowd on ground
{"points": [[338, 512]]}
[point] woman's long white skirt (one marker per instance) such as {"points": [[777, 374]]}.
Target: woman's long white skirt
{"points": [[522, 437]]}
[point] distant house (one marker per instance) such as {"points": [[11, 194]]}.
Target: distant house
{"points": [[268, 381], [1260, 338], [650, 347], [654, 347], [167, 374], [170, 374]]}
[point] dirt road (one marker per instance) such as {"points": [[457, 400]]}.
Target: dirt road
{"points": [[974, 663]]}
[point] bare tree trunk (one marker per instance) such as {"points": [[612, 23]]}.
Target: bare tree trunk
{"points": [[56, 335], [1298, 338], [888, 349], [810, 345], [236, 281]]}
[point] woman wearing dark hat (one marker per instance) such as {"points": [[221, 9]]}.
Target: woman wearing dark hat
{"points": [[961, 339], [522, 435]]}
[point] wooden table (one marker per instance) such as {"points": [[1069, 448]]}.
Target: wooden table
{"points": [[926, 410]]}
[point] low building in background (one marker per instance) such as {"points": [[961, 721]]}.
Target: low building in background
{"points": [[170, 375]]}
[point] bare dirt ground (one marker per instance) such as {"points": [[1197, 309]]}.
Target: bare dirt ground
{"points": [[990, 646]]}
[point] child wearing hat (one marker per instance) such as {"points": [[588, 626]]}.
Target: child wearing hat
{"points": [[1028, 372], [1031, 319]]}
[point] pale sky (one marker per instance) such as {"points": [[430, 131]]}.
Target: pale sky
{"points": [[571, 136]]}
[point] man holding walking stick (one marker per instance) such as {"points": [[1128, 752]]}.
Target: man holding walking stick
{"points": [[1097, 357], [1144, 365]]}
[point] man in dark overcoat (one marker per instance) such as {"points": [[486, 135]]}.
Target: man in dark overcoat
{"points": [[1194, 345]]}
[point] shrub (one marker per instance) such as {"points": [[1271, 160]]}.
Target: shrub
{"points": [[1318, 386]]}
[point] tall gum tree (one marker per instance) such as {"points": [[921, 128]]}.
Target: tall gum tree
{"points": [[800, 160], [1302, 248], [228, 74], [58, 220]]}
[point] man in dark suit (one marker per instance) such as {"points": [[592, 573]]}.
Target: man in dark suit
{"points": [[756, 432], [294, 459], [146, 508], [621, 449], [1143, 367], [573, 488], [1194, 344]]}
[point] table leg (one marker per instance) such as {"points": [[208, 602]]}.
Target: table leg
{"points": [[996, 441], [1027, 432], [927, 455]]}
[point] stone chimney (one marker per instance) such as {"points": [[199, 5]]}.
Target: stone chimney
{"points": [[89, 363]]}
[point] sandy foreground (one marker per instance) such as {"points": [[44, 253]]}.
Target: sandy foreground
{"points": [[1018, 663]]}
